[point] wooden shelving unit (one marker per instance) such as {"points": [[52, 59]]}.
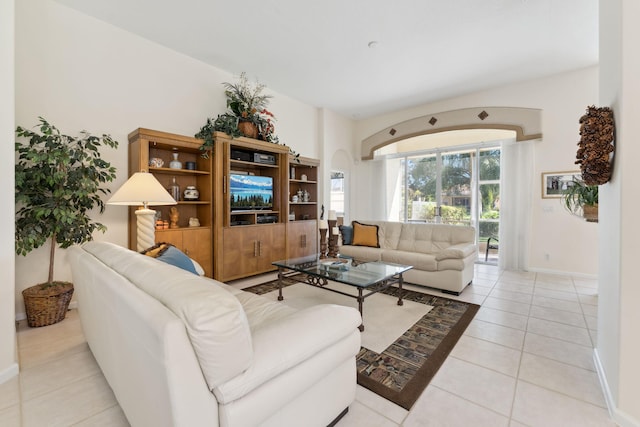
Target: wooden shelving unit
{"points": [[302, 228], [231, 243], [247, 241], [196, 242]]}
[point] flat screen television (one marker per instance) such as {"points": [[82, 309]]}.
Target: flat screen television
{"points": [[251, 192]]}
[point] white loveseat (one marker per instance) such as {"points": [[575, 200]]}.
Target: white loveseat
{"points": [[183, 350], [442, 256]]}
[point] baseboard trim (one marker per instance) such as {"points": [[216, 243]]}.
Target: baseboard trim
{"points": [[8, 373], [619, 417], [21, 315], [562, 273]]}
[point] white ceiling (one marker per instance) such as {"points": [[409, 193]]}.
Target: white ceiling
{"points": [[317, 51]]}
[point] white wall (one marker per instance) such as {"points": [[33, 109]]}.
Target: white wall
{"points": [[81, 73], [570, 243], [618, 346], [8, 360], [337, 134]]}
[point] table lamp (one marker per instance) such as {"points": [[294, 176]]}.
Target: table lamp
{"points": [[142, 188]]}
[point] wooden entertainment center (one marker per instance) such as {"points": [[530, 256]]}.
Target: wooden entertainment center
{"points": [[240, 240]]}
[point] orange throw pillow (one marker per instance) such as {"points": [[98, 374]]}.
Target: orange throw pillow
{"points": [[365, 235]]}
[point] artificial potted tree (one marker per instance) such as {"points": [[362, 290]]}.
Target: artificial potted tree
{"points": [[58, 182], [581, 199]]}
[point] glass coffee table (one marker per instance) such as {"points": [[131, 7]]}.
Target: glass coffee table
{"points": [[367, 277]]}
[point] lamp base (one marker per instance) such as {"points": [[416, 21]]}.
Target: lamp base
{"points": [[146, 236]]}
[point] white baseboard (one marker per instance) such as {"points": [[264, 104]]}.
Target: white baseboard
{"points": [[21, 315], [9, 373], [619, 417], [562, 273]]}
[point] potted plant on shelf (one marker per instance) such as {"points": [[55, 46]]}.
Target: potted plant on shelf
{"points": [[581, 199], [58, 182], [246, 115]]}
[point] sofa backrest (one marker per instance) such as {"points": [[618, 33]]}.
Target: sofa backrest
{"points": [[433, 238], [388, 233], [142, 348], [215, 321], [421, 237]]}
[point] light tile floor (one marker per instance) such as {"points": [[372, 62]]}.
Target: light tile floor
{"points": [[525, 360]]}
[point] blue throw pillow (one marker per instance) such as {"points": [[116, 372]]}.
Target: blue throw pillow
{"points": [[347, 234], [168, 253]]}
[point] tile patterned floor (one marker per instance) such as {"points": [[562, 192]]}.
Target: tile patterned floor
{"points": [[525, 360]]}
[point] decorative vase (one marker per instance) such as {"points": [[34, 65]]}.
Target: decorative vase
{"points": [[191, 193], [248, 129], [174, 190], [175, 163]]}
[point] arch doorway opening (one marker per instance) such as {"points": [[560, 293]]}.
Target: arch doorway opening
{"points": [[450, 178]]}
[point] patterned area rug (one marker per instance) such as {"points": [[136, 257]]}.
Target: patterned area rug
{"points": [[402, 371]]}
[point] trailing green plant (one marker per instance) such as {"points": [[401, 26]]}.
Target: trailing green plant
{"points": [[578, 194], [58, 182], [227, 123]]}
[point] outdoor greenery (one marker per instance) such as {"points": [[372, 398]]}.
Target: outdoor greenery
{"points": [[456, 179], [58, 182]]}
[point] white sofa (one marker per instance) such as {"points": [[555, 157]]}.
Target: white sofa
{"points": [[183, 350], [442, 256]]}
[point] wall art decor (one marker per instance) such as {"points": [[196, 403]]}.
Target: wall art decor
{"points": [[555, 184]]}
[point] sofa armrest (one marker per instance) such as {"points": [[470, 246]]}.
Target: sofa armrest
{"points": [[459, 251], [286, 342]]}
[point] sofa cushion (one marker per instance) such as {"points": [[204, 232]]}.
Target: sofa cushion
{"points": [[281, 344], [259, 309], [365, 235], [445, 236], [347, 234], [459, 251], [362, 253], [420, 261], [416, 238], [389, 234], [168, 253]]}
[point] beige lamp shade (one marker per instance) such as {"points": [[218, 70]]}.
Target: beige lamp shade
{"points": [[143, 188]]}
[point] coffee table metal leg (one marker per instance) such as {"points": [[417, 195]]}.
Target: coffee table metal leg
{"points": [[400, 281], [360, 301], [280, 277]]}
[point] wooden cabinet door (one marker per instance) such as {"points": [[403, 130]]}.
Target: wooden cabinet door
{"points": [[302, 238], [240, 249], [251, 250], [196, 243], [173, 236], [272, 245]]}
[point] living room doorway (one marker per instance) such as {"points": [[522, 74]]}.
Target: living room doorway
{"points": [[336, 201], [513, 129], [456, 184]]}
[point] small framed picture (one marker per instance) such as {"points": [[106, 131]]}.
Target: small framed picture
{"points": [[555, 184]]}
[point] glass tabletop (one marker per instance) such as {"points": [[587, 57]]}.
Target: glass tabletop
{"points": [[344, 270]]}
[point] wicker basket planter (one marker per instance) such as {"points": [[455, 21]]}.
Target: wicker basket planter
{"points": [[48, 305], [590, 213], [248, 129]]}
